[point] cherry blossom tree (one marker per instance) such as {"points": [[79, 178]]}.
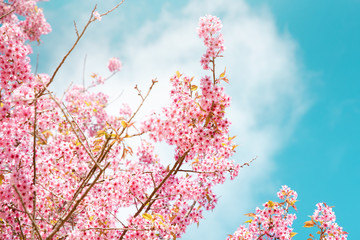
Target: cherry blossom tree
{"points": [[68, 167]]}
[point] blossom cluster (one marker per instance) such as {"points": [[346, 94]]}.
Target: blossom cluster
{"points": [[21, 21], [324, 218], [209, 29], [275, 222], [271, 222], [114, 64]]}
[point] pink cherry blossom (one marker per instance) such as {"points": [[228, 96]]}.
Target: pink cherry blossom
{"points": [[275, 222], [209, 30], [114, 64], [97, 16], [324, 218]]}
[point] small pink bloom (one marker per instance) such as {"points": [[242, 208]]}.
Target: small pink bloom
{"points": [[97, 16], [114, 64]]}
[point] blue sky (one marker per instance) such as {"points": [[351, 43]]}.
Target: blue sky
{"points": [[294, 68]]}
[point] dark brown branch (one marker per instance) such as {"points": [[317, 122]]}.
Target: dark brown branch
{"points": [[68, 53], [4, 15], [143, 100], [116, 218], [191, 208], [115, 229], [171, 172], [66, 217], [27, 212], [21, 231], [91, 19]]}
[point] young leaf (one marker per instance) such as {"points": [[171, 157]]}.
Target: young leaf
{"points": [[207, 120], [147, 216], [292, 234], [250, 214], [124, 124], [162, 218], [172, 217], [100, 133], [248, 221], [309, 224], [231, 138], [194, 87], [223, 73], [1, 178]]}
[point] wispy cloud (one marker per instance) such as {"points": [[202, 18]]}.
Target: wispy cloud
{"points": [[268, 94]]}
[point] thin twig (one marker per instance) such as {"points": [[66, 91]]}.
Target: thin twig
{"points": [[143, 100], [68, 53], [213, 70], [116, 218], [106, 13], [85, 181], [112, 101], [91, 19], [191, 208], [76, 30], [66, 113], [115, 229], [54, 194], [90, 174], [21, 231], [27, 213], [172, 171], [66, 216], [248, 163], [4, 15]]}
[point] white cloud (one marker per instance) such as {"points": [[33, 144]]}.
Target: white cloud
{"points": [[265, 84]]}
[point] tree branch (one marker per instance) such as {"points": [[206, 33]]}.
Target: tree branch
{"points": [[79, 36], [4, 15], [172, 171], [64, 218], [27, 212]]}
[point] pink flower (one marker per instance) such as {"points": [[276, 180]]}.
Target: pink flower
{"points": [[97, 16], [209, 29], [114, 64], [126, 110]]}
